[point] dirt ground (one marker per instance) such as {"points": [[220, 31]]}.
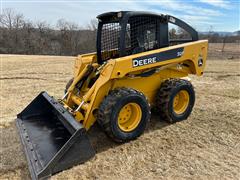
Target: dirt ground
{"points": [[219, 51], [207, 145]]}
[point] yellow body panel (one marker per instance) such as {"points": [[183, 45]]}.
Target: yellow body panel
{"points": [[120, 72]]}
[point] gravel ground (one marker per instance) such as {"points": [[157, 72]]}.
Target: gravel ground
{"points": [[207, 145]]}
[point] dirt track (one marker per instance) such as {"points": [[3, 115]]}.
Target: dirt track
{"points": [[207, 145]]}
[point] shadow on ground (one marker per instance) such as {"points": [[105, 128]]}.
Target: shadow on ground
{"points": [[101, 142]]}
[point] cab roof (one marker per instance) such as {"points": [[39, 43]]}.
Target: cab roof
{"points": [[117, 15]]}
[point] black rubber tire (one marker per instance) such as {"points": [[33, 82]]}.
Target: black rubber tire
{"points": [[165, 96], [110, 108], [68, 85]]}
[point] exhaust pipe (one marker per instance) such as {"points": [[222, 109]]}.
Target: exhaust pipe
{"points": [[52, 139]]}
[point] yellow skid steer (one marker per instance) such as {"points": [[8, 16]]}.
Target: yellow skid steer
{"points": [[137, 67]]}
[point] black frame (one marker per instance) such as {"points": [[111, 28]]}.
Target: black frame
{"points": [[123, 17]]}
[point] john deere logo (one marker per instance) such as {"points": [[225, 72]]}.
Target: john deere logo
{"points": [[158, 57], [142, 62]]}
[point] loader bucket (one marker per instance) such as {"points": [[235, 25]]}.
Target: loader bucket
{"points": [[52, 139]]}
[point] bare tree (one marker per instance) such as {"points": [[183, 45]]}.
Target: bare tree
{"points": [[11, 24], [9, 19], [43, 27], [172, 33], [182, 34], [224, 42], [68, 38], [93, 25], [29, 37]]}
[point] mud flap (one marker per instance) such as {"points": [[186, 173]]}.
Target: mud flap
{"points": [[52, 139]]}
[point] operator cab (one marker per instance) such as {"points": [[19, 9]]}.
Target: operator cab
{"points": [[130, 32]]}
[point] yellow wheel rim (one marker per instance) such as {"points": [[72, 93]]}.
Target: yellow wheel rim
{"points": [[129, 117], [181, 102]]}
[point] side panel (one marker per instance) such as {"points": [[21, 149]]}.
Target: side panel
{"points": [[191, 52]]}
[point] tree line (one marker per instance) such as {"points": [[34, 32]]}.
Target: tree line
{"points": [[19, 35]]}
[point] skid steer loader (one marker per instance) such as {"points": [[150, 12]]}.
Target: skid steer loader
{"points": [[137, 67]]}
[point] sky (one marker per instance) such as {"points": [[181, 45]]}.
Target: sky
{"points": [[203, 15]]}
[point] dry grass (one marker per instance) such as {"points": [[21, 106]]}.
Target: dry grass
{"points": [[23, 77], [230, 51], [207, 145]]}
